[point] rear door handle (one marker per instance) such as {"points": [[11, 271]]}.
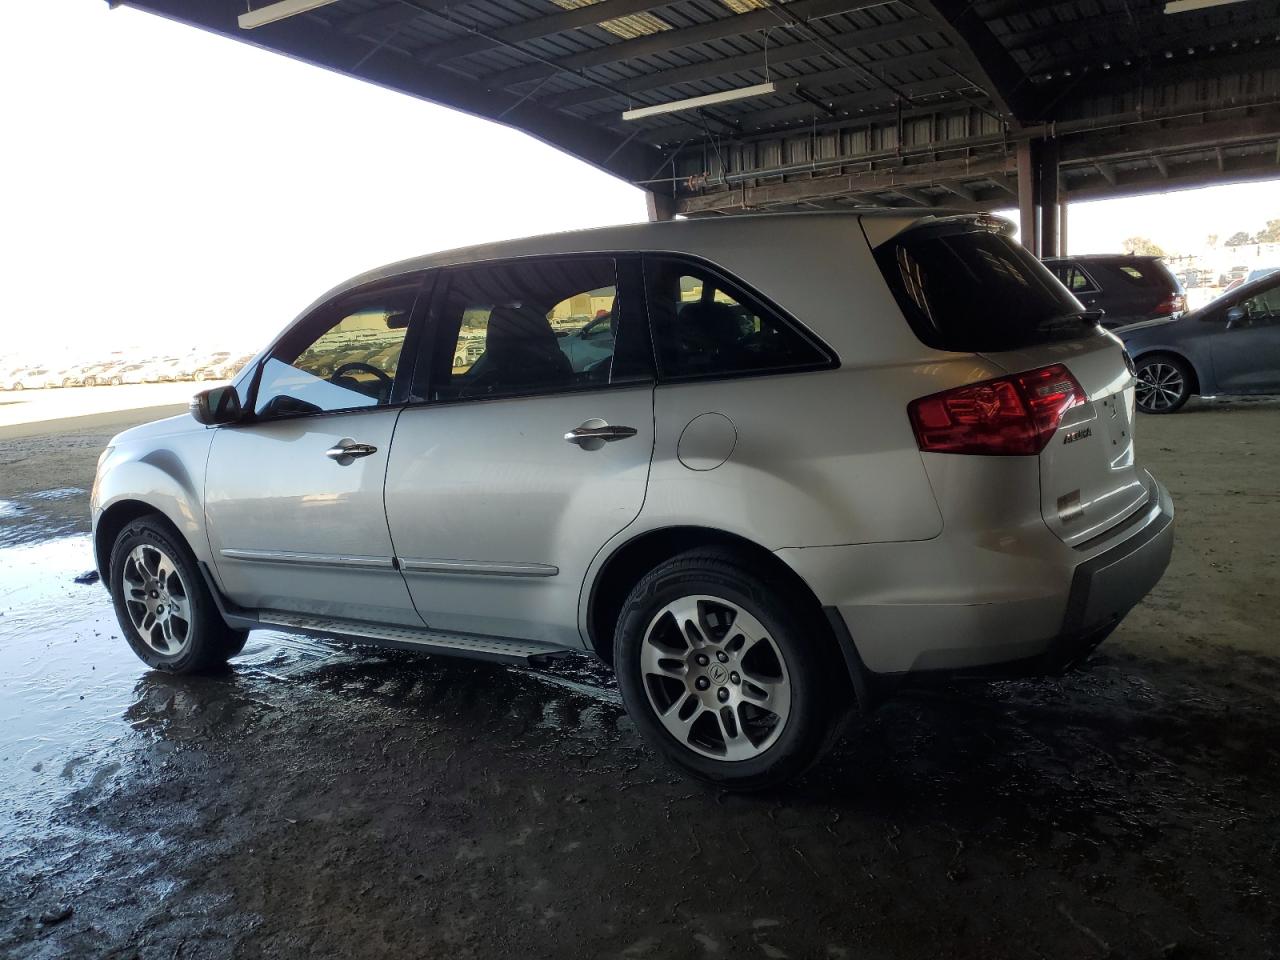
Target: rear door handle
{"points": [[589, 436], [345, 451]]}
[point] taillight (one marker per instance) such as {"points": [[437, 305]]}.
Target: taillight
{"points": [[1009, 416], [1174, 303]]}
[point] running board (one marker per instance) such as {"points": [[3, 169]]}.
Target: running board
{"points": [[500, 650]]}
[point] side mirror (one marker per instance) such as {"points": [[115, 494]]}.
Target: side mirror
{"points": [[1236, 315], [217, 405]]}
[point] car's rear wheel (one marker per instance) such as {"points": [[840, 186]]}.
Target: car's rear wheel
{"points": [[727, 676], [162, 603], [1164, 383]]}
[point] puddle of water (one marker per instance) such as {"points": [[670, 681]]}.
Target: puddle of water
{"points": [[72, 693], [10, 509], [62, 493]]}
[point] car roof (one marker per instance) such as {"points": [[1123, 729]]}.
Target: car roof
{"points": [[688, 236]]}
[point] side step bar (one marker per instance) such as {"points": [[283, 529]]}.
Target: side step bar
{"points": [[498, 649]]}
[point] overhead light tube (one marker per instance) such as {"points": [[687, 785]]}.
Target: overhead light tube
{"points": [[1186, 6], [710, 99], [278, 11]]}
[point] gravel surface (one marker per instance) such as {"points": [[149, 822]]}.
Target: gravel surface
{"points": [[330, 800]]}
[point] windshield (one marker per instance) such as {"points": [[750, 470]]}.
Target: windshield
{"points": [[970, 289]]}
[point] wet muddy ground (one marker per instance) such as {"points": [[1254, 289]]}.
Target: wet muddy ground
{"points": [[324, 799]]}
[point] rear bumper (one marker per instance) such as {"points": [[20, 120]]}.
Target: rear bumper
{"points": [[1032, 607]]}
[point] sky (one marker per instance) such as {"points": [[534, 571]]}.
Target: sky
{"points": [[163, 189]]}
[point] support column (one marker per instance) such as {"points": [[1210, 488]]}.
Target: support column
{"points": [[661, 206], [1048, 198], [1063, 250], [1028, 223], [1039, 197]]}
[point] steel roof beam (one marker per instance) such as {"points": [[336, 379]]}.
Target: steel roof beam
{"points": [[753, 62], [998, 73], [730, 26], [544, 26]]}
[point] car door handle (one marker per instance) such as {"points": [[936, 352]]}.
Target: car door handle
{"points": [[345, 451], [594, 436]]}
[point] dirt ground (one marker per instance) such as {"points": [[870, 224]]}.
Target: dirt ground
{"points": [[319, 799]]}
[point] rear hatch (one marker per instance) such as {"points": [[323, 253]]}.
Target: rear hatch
{"points": [[964, 285]]}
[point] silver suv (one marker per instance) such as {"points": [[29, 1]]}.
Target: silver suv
{"points": [[766, 467]]}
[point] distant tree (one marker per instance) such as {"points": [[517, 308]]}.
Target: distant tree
{"points": [[1271, 234], [1238, 238], [1212, 241], [1143, 247]]}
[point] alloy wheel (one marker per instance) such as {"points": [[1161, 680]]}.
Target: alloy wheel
{"points": [[1160, 386], [715, 678], [157, 600]]}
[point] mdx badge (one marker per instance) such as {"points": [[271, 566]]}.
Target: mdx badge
{"points": [[1075, 435]]}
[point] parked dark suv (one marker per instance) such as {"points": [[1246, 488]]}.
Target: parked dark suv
{"points": [[1128, 289]]}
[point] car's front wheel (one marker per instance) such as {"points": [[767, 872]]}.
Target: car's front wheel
{"points": [[1164, 383], [726, 675], [164, 607]]}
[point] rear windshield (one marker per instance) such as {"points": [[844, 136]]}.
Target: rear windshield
{"points": [[1138, 273], [969, 289]]}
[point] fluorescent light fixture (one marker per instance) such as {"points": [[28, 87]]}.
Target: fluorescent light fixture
{"points": [[1186, 6], [278, 11], [725, 96]]}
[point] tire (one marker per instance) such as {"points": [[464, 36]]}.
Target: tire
{"points": [[1164, 383], [116, 381], [163, 604], [756, 646], [19, 386]]}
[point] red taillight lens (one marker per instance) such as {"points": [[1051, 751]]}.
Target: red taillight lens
{"points": [[1011, 416], [1175, 303]]}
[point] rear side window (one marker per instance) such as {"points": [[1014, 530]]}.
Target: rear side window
{"points": [[968, 289], [705, 325], [538, 326]]}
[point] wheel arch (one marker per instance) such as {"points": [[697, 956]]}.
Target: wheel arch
{"points": [[633, 559], [1196, 378], [114, 519]]}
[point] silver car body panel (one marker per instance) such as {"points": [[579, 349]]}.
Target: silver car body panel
{"points": [[476, 518], [292, 529], [496, 517]]}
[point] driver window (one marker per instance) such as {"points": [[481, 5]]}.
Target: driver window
{"points": [[345, 360], [1262, 308]]}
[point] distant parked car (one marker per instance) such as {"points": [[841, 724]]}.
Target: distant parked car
{"points": [[31, 378], [1128, 289], [208, 367], [1230, 346], [1260, 273]]}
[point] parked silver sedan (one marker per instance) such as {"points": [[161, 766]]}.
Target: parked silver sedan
{"points": [[821, 456]]}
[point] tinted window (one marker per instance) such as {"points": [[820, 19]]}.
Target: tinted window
{"points": [[537, 326], [1078, 281], [967, 289], [346, 356], [1262, 308], [704, 325]]}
